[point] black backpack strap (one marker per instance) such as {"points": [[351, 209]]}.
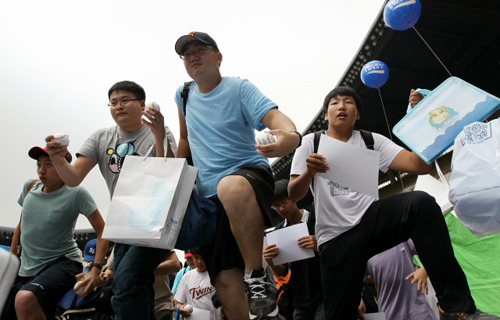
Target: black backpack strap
{"points": [[317, 136], [185, 95], [367, 138]]}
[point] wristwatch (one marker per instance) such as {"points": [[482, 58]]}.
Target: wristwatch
{"points": [[97, 265], [300, 136]]}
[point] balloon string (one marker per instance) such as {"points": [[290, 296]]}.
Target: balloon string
{"points": [[383, 108], [390, 135], [428, 46]]}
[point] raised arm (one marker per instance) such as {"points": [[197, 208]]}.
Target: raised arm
{"points": [[409, 162], [74, 174], [283, 128]]}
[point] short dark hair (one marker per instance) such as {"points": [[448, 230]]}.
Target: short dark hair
{"points": [[280, 189], [345, 92], [129, 86]]}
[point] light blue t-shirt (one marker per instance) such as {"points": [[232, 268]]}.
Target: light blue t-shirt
{"points": [[220, 127], [47, 224]]}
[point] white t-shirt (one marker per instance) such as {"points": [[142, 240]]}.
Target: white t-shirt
{"points": [[339, 208], [195, 288]]}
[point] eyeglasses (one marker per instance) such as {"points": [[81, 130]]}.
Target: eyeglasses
{"points": [[281, 203], [123, 102], [198, 52]]}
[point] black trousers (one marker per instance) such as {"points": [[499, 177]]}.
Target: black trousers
{"points": [[385, 224]]}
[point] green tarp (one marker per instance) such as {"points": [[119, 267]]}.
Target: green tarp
{"points": [[480, 260]]}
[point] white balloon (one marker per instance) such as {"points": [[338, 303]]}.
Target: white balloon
{"points": [[264, 137], [62, 138], [153, 105]]}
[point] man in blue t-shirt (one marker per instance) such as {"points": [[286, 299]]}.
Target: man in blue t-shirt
{"points": [[217, 130]]}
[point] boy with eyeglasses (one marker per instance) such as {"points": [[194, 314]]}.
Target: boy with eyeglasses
{"points": [[134, 266], [217, 130], [351, 227], [304, 281]]}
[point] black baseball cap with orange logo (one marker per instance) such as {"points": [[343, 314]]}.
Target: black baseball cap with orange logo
{"points": [[194, 36]]}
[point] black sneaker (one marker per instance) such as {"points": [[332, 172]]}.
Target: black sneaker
{"points": [[262, 295], [478, 315]]}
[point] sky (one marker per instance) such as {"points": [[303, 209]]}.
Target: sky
{"points": [[59, 58]]}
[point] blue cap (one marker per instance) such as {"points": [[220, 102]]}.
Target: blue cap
{"points": [[90, 250]]}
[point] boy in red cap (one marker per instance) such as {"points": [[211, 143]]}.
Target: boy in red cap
{"points": [[50, 258]]}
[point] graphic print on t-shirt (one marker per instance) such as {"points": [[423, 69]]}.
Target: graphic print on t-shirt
{"points": [[117, 155], [338, 190], [198, 292]]}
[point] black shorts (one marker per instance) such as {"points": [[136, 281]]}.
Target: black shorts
{"points": [[49, 286], [223, 253]]}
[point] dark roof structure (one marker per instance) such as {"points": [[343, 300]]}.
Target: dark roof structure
{"points": [[464, 34]]}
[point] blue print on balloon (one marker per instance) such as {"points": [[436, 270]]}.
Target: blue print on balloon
{"points": [[402, 14]]}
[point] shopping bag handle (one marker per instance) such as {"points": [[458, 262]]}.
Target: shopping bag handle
{"points": [[165, 147]]}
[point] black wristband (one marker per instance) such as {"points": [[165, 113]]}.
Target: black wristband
{"points": [[300, 137], [97, 265]]}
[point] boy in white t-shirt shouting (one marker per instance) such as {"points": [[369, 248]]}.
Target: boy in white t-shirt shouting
{"points": [[196, 290], [351, 227]]}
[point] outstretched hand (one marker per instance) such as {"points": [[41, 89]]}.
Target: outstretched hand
{"points": [[56, 150], [285, 143], [156, 122]]}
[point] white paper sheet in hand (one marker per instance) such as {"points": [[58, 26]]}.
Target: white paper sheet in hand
{"points": [[351, 166], [286, 240]]}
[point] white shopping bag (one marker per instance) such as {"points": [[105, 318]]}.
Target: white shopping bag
{"points": [[439, 189], [475, 178], [149, 202], [9, 265]]}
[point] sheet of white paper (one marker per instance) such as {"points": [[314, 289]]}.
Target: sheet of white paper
{"points": [[286, 240], [375, 316], [350, 166]]}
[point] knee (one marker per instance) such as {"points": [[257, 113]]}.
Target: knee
{"points": [[424, 200], [232, 189], [25, 300]]}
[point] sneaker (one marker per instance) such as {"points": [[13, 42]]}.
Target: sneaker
{"points": [[262, 294], [478, 315]]}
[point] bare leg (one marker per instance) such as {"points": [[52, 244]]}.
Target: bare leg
{"points": [[28, 307], [245, 216], [231, 291]]}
